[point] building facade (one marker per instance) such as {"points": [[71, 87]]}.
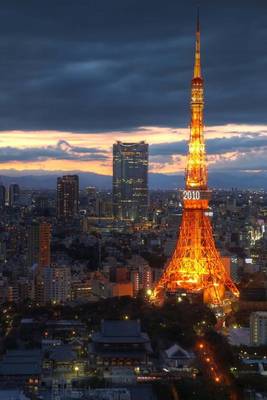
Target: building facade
{"points": [[67, 196], [39, 240], [258, 328], [130, 180], [2, 196], [53, 285], [13, 195], [120, 343]]}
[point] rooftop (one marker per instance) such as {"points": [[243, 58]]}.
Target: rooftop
{"points": [[65, 323], [121, 328], [63, 353], [260, 314], [239, 336], [12, 395], [120, 332], [177, 351], [21, 363]]}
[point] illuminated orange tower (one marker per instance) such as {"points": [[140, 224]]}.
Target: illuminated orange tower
{"points": [[196, 265]]}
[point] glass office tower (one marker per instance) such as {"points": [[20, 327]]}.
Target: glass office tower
{"points": [[130, 181]]}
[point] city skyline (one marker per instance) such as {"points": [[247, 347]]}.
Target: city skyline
{"points": [[129, 87], [133, 237]]}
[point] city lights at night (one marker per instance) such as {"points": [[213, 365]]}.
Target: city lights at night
{"points": [[133, 200]]}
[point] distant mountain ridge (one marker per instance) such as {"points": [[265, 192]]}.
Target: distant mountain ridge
{"points": [[224, 180]]}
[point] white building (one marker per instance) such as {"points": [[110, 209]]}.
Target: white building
{"points": [[258, 328], [177, 358]]}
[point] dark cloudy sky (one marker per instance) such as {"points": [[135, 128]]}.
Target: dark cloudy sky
{"points": [[75, 75]]}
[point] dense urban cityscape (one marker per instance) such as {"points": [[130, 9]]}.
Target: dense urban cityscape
{"points": [[74, 280], [130, 292]]}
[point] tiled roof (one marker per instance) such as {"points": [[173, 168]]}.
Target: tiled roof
{"points": [[120, 332], [21, 362], [121, 328]]}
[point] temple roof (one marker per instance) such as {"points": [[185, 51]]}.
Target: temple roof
{"points": [[120, 332]]}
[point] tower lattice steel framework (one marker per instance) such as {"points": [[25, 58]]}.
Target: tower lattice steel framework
{"points": [[196, 265]]}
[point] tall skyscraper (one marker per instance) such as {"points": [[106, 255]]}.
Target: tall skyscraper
{"points": [[39, 240], [2, 196], [147, 278], [91, 199], [67, 196], [14, 192], [130, 180]]}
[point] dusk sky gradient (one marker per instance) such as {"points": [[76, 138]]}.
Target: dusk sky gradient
{"points": [[77, 75]]}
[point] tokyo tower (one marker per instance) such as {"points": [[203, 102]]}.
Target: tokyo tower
{"points": [[195, 265]]}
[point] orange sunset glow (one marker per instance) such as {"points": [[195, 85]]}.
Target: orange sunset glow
{"points": [[15, 141]]}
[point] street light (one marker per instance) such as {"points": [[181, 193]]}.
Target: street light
{"points": [[76, 369]]}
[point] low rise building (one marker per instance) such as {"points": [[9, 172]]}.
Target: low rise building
{"points": [[21, 367], [177, 358], [120, 376], [109, 394], [15, 394]]}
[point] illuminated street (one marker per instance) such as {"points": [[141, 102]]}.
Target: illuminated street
{"points": [[211, 368]]}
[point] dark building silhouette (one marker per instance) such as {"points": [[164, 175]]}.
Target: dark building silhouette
{"points": [[14, 192], [39, 240], [2, 196], [67, 196], [120, 343]]}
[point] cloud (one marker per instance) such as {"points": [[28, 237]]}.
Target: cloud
{"points": [[61, 151], [111, 65], [213, 146], [253, 161]]}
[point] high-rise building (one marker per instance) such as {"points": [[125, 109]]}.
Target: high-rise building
{"points": [[39, 239], [2, 196], [3, 288], [53, 285], [44, 244], [67, 196], [147, 278], [14, 191], [41, 202], [130, 180], [135, 279], [258, 328], [91, 200], [13, 293]]}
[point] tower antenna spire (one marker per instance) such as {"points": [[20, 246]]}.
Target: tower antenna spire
{"points": [[197, 66], [198, 25]]}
